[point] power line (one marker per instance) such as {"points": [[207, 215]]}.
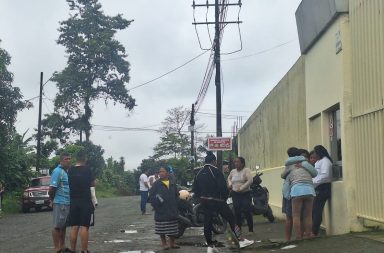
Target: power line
{"points": [[260, 52], [107, 128], [169, 72], [30, 99]]}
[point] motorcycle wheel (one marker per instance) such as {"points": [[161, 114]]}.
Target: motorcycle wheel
{"points": [[219, 225], [269, 215]]}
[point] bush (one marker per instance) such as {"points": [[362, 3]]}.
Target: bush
{"points": [[11, 202]]}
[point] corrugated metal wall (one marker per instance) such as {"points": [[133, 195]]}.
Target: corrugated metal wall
{"points": [[367, 36]]}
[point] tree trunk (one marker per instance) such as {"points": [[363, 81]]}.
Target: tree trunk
{"points": [[87, 118]]}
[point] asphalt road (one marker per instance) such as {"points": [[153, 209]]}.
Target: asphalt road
{"points": [[119, 227]]}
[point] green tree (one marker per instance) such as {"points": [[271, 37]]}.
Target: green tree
{"points": [[10, 97], [15, 154], [173, 142], [96, 67], [94, 154]]}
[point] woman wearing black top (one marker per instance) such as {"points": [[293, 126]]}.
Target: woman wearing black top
{"points": [[164, 198]]}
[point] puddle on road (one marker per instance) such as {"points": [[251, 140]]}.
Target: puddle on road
{"points": [[128, 231], [137, 251], [117, 241], [289, 247]]}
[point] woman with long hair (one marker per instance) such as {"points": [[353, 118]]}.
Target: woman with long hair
{"points": [[322, 183]]}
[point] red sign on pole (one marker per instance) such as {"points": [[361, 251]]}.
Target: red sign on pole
{"points": [[219, 143]]}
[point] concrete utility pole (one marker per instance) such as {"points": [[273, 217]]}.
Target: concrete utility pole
{"points": [[38, 146], [217, 23]]}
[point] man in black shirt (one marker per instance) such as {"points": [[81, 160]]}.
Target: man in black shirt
{"points": [[211, 187], [81, 210]]}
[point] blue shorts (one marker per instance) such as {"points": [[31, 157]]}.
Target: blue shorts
{"points": [[301, 189], [287, 207]]}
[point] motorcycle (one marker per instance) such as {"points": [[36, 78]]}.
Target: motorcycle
{"points": [[260, 198], [191, 214]]}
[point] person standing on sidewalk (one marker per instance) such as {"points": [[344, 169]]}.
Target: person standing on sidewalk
{"points": [[81, 212], [59, 196], [211, 187], [164, 199], [239, 181], [144, 187], [322, 183], [300, 172], [152, 179]]}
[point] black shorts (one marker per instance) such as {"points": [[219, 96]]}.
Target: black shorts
{"points": [[81, 213]]}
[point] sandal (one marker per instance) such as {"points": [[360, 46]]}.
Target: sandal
{"points": [[175, 247]]}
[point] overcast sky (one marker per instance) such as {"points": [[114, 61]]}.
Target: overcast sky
{"points": [[160, 39]]}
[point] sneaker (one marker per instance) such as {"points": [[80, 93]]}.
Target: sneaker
{"points": [[245, 243], [212, 249]]}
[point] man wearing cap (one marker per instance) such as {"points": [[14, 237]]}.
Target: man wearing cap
{"points": [[211, 187]]}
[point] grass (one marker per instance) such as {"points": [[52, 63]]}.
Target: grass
{"points": [[11, 203], [105, 191]]}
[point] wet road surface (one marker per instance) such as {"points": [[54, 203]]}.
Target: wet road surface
{"points": [[119, 227]]}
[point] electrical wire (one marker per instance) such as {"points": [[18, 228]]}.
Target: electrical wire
{"points": [[206, 20], [30, 99], [197, 33], [107, 128], [260, 52], [169, 72], [238, 26]]}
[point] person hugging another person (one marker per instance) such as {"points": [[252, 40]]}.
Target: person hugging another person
{"points": [[164, 198], [299, 173]]}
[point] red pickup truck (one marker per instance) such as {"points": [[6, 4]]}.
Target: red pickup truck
{"points": [[36, 195]]}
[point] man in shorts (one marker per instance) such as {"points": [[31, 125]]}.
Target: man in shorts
{"points": [[59, 196], [81, 213]]}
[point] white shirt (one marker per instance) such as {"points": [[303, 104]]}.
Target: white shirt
{"points": [[324, 171], [143, 179], [151, 180], [240, 180]]}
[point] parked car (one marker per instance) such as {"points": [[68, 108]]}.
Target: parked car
{"points": [[36, 195]]}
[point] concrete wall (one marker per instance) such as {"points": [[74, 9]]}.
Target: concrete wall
{"points": [[343, 69], [277, 124], [328, 82]]}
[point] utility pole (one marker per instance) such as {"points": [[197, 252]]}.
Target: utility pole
{"points": [[192, 128], [219, 130], [217, 23], [38, 147]]}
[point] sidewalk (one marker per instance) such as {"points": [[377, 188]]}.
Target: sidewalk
{"points": [[269, 237]]}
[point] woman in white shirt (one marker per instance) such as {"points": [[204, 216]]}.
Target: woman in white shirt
{"points": [[239, 182], [322, 184]]}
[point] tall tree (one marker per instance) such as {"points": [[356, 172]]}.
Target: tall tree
{"points": [[174, 143], [96, 66], [15, 154], [10, 97]]}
